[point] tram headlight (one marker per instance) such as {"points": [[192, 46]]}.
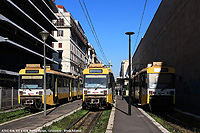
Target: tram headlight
{"points": [[85, 91], [150, 92], [40, 93], [105, 92]]}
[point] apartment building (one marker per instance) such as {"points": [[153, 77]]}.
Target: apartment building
{"points": [[124, 69], [72, 43], [92, 56], [20, 42]]}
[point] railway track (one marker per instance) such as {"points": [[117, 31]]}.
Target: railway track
{"points": [[179, 122], [8, 116], [14, 115], [86, 123], [17, 113]]}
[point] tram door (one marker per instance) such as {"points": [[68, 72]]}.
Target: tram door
{"points": [[53, 86], [70, 88], [55, 90]]}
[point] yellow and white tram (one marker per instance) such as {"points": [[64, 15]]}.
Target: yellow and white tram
{"points": [[154, 86], [98, 86], [59, 86]]}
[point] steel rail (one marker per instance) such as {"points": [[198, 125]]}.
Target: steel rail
{"points": [[77, 121], [90, 116]]}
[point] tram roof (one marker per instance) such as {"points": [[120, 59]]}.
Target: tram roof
{"points": [[96, 67], [156, 69], [40, 71]]}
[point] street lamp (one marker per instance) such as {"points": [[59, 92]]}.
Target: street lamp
{"points": [[44, 35], [130, 91]]}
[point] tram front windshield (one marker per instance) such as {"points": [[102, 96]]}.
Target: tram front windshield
{"points": [[31, 82], [95, 81], [161, 80]]}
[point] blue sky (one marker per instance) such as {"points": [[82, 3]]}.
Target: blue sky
{"points": [[111, 19]]}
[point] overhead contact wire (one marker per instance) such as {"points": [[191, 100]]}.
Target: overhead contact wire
{"points": [[140, 25], [93, 30]]}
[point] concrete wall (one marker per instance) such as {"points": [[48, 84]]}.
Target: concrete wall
{"points": [[173, 37]]}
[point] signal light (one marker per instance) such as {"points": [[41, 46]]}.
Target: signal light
{"points": [[20, 92], [105, 92], [85, 91], [40, 92]]}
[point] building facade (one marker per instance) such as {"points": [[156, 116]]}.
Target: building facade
{"points": [[124, 69], [20, 42], [72, 43], [173, 38], [92, 56]]}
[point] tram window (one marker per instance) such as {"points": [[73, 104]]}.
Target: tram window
{"points": [[110, 81], [100, 81], [136, 81], [67, 82], [144, 80], [76, 83], [60, 82], [162, 80], [72, 82], [49, 81], [113, 82]]}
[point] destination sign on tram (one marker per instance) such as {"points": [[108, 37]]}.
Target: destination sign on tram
{"points": [[95, 71]]}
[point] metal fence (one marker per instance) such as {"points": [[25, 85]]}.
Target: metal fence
{"points": [[8, 97]]}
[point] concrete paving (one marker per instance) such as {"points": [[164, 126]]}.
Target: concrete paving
{"points": [[119, 122], [136, 123], [39, 120]]}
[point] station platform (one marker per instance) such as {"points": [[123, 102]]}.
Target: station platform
{"points": [[137, 122], [37, 121]]}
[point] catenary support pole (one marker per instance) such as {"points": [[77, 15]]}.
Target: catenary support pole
{"points": [[130, 75]]}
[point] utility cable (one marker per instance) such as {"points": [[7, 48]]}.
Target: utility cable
{"points": [[92, 29], [140, 26], [101, 59]]}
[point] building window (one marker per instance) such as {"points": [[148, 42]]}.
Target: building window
{"points": [[52, 45], [52, 33], [60, 33], [60, 22], [59, 45], [60, 55]]}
